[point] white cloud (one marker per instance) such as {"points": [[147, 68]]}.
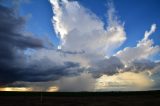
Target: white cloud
{"points": [[152, 30], [144, 49], [80, 29]]}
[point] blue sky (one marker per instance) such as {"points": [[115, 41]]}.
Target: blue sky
{"points": [[39, 21]]}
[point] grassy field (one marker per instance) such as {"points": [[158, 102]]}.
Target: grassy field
{"points": [[145, 98]]}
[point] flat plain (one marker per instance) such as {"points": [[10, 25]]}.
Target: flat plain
{"points": [[145, 98]]}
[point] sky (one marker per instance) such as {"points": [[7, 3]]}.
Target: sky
{"points": [[79, 45]]}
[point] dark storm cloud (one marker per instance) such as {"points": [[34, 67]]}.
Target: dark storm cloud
{"points": [[141, 65], [12, 41], [71, 52], [11, 27], [108, 66], [114, 65], [11, 36], [36, 74]]}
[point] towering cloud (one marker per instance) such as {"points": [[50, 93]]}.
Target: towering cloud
{"points": [[81, 30]]}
